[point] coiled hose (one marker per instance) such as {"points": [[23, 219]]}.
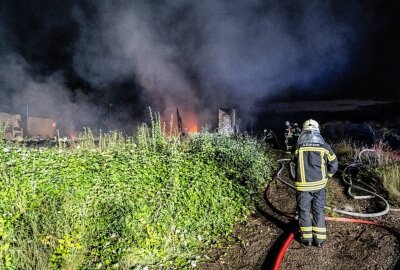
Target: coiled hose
{"points": [[289, 239], [350, 187]]}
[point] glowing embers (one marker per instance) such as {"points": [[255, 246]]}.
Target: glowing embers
{"points": [[73, 135]]}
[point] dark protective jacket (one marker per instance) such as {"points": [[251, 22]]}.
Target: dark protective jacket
{"points": [[315, 162]]}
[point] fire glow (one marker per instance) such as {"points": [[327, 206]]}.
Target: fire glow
{"points": [[190, 122]]}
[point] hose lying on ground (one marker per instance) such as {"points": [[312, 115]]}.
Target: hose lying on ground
{"points": [[350, 184], [356, 164], [289, 239]]}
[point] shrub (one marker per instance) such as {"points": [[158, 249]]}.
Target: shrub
{"points": [[241, 158], [117, 202], [390, 175], [345, 151]]}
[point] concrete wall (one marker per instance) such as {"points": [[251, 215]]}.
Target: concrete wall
{"points": [[227, 121]]}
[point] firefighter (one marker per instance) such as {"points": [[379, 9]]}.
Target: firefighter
{"points": [[315, 162], [288, 136], [296, 132]]}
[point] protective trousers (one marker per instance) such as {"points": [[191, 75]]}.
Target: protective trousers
{"points": [[311, 215]]}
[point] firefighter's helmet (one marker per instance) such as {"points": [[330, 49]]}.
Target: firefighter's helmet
{"points": [[310, 125]]}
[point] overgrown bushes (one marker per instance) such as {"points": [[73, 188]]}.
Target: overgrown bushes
{"points": [[242, 159], [123, 203]]}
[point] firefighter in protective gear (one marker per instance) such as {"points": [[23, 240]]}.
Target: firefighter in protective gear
{"points": [[296, 132], [315, 163], [288, 136]]}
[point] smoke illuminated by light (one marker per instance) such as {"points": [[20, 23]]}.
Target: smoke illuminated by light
{"points": [[162, 54]]}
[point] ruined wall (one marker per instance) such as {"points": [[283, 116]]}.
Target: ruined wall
{"points": [[13, 130], [227, 121], [41, 127]]}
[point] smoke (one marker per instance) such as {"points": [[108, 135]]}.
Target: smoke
{"points": [[73, 60], [207, 54], [42, 96], [126, 44]]}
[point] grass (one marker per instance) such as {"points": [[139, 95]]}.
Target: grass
{"points": [[119, 202], [382, 170], [390, 176], [346, 151]]}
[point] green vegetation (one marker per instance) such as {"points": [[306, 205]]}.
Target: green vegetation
{"points": [[390, 175], [242, 159], [345, 151], [125, 202]]}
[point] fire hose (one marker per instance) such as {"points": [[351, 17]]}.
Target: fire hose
{"points": [[350, 184], [289, 239]]}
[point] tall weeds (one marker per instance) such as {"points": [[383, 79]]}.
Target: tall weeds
{"points": [[391, 181], [116, 202]]}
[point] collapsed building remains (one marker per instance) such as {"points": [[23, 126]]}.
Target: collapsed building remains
{"points": [[34, 127], [43, 128], [227, 121], [12, 123]]}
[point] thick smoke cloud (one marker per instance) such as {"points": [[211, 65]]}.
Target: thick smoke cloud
{"points": [[207, 54], [126, 43], [32, 67], [43, 96], [72, 60]]}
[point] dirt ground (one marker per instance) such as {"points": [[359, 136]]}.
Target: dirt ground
{"points": [[349, 245]]}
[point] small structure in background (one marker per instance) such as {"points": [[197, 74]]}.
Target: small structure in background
{"points": [[13, 130], [227, 122], [41, 128]]}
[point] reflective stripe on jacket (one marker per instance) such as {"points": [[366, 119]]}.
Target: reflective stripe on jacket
{"points": [[315, 162]]}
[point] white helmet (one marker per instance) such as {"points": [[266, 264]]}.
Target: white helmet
{"points": [[310, 125]]}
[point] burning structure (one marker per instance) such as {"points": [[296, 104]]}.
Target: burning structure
{"points": [[187, 122], [35, 127], [227, 122], [181, 129], [43, 128]]}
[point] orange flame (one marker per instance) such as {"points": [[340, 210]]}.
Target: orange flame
{"points": [[189, 120]]}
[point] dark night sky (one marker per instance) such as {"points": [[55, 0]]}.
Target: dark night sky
{"points": [[373, 72], [88, 54]]}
